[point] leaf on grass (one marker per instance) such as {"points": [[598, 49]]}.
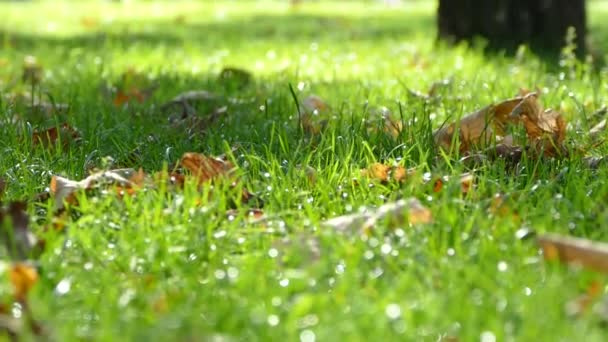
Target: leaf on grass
{"points": [[545, 129], [390, 125], [386, 173], [65, 134], [311, 110], [64, 189], [23, 277], [402, 212], [206, 168], [466, 181], [133, 86], [581, 304], [15, 231], [598, 128], [190, 97], [569, 250]]}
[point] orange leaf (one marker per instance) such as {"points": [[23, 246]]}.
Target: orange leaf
{"points": [[205, 168], [23, 277], [49, 138]]}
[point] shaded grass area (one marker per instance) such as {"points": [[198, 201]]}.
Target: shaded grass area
{"points": [[172, 266]]}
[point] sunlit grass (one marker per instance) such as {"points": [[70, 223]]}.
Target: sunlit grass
{"points": [[171, 265]]}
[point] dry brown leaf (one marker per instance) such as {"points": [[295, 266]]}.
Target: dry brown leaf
{"points": [[386, 173], [582, 252], [545, 129], [65, 134], [206, 168], [64, 189], [311, 110], [597, 129], [23, 277], [402, 212]]}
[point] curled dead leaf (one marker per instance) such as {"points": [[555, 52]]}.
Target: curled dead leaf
{"points": [[402, 212], [66, 135], [386, 173], [64, 189], [545, 129]]}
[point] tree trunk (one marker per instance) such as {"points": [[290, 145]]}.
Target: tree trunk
{"points": [[542, 24]]}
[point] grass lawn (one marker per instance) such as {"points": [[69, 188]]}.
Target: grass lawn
{"points": [[169, 264]]}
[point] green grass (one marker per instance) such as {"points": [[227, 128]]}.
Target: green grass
{"points": [[163, 266]]}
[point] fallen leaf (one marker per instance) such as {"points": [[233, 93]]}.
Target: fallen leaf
{"points": [[582, 303], [64, 189], [545, 129], [598, 128], [386, 173], [583, 252], [65, 134], [133, 86], [311, 110], [23, 277], [205, 168], [402, 212]]}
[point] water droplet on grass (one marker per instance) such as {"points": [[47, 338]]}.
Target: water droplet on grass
{"points": [[487, 336], [219, 274], [273, 320], [393, 311], [502, 266], [284, 282], [273, 252], [63, 287], [307, 336]]}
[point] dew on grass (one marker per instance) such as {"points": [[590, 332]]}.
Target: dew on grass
{"points": [[284, 282], [276, 301], [340, 268], [487, 336], [376, 273], [308, 321], [273, 252], [273, 320], [307, 336], [219, 234], [219, 274], [393, 311], [502, 266], [232, 272], [17, 310], [386, 248], [241, 240], [126, 297], [88, 266], [368, 255], [63, 287], [451, 252], [527, 291]]}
